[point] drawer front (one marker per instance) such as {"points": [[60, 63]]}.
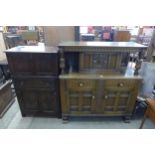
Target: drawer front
{"points": [[81, 85], [120, 84], [36, 83]]}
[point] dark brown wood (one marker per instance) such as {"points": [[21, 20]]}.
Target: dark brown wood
{"points": [[35, 72], [30, 63]]}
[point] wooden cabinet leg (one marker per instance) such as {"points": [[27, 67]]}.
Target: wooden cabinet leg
{"points": [[126, 119], [65, 119], [23, 114]]}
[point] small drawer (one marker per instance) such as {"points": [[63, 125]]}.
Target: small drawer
{"points": [[120, 83], [80, 85]]}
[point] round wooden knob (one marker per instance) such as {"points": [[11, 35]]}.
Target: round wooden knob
{"points": [[81, 84], [93, 97], [106, 96], [121, 85]]}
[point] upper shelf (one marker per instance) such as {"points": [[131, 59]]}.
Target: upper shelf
{"points": [[101, 44], [123, 47], [33, 49]]}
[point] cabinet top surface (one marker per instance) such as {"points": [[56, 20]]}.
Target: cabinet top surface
{"points": [[33, 49], [97, 76], [101, 44]]}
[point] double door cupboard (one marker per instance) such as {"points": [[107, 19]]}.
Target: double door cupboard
{"points": [[34, 71], [98, 96]]}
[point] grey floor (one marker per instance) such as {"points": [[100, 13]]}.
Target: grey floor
{"points": [[13, 120]]}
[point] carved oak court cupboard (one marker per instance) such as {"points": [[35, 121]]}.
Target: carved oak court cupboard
{"points": [[34, 71], [95, 79]]}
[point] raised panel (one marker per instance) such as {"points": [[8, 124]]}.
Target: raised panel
{"points": [[100, 61], [81, 103], [116, 102], [20, 63], [48, 101], [45, 63], [30, 100]]}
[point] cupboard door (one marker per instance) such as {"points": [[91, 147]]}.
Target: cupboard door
{"points": [[118, 102], [48, 101], [81, 102], [30, 100], [78, 96], [41, 101]]}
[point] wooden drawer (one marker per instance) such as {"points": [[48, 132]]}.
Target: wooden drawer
{"points": [[120, 84], [36, 83], [81, 85]]}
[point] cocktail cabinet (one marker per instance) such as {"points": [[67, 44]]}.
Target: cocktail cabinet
{"points": [[34, 71]]}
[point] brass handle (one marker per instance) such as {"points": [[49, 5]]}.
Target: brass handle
{"points": [[106, 96], [93, 97], [81, 84], [120, 84]]}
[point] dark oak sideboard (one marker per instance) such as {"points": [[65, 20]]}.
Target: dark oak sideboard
{"points": [[95, 79]]}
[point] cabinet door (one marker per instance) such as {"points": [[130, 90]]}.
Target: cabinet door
{"points": [[118, 102], [30, 100], [78, 96], [48, 101], [37, 94], [81, 102], [43, 101]]}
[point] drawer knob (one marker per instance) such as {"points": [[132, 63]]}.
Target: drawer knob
{"points": [[106, 96], [94, 61], [81, 84], [93, 97], [120, 84]]}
